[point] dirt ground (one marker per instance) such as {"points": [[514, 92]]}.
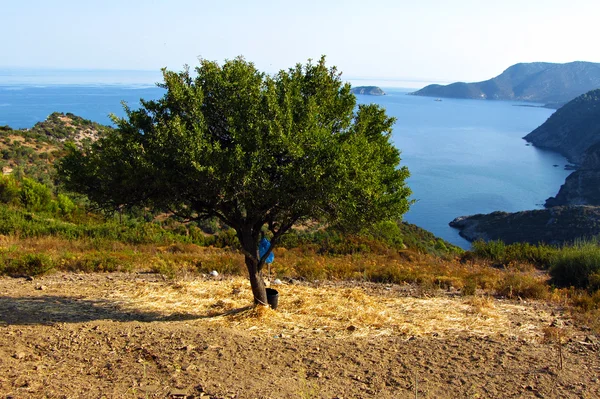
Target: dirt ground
{"points": [[141, 336]]}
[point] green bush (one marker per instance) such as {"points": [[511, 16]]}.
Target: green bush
{"points": [[65, 205], [209, 226], [35, 196], [25, 265], [577, 266], [9, 190], [500, 253]]}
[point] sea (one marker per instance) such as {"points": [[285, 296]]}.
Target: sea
{"points": [[465, 156]]}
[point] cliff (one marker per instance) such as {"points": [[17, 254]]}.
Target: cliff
{"points": [[543, 82], [571, 130], [557, 225], [581, 187], [368, 90]]}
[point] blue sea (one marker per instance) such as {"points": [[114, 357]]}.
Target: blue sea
{"points": [[465, 156]]}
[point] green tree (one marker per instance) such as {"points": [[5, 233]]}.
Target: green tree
{"points": [[251, 149], [35, 196], [9, 190]]}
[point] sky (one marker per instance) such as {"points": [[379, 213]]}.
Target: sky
{"points": [[414, 42]]}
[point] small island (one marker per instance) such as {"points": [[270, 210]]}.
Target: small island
{"points": [[368, 90]]}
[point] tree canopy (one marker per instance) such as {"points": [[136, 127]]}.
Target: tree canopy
{"points": [[252, 149]]}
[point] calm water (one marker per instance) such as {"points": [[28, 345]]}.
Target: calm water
{"points": [[465, 156], [23, 106]]}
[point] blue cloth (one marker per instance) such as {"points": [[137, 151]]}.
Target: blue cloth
{"points": [[263, 247]]}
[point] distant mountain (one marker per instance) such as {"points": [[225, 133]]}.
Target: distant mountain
{"points": [[368, 90], [542, 82]]}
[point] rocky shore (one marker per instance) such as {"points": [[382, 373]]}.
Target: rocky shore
{"points": [[556, 225]]}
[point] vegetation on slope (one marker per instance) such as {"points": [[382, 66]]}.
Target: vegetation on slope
{"points": [[572, 129], [33, 152]]}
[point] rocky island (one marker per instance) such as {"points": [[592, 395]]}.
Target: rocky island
{"points": [[542, 82], [368, 90]]}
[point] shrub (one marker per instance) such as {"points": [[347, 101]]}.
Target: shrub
{"points": [[586, 301], [9, 190], [26, 265], [65, 205], [523, 286], [97, 262], [470, 287], [209, 226], [307, 269], [498, 252], [163, 267], [35, 196], [577, 266]]}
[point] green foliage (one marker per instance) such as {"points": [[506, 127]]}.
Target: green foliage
{"points": [[577, 266], [35, 196], [234, 141], [500, 253], [66, 206], [382, 237], [250, 149], [32, 152], [15, 264], [9, 190], [96, 262]]}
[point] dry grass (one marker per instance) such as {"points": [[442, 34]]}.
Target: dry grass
{"points": [[334, 312], [306, 309]]}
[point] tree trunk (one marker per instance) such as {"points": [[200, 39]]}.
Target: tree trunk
{"points": [[249, 242], [256, 282]]}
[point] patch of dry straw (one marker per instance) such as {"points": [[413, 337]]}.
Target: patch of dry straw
{"points": [[333, 312]]}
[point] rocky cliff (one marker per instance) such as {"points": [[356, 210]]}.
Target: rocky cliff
{"points": [[543, 82], [557, 225], [581, 187], [571, 130]]}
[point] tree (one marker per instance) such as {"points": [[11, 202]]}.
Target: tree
{"points": [[251, 149]]}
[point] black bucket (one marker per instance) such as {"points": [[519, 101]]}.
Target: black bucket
{"points": [[272, 298]]}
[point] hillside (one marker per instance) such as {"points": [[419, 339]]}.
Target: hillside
{"points": [[32, 152], [368, 90], [557, 225], [572, 129], [542, 82], [582, 187]]}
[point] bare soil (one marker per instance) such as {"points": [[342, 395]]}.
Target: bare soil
{"points": [[127, 336]]}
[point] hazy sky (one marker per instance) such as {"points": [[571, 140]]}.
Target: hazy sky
{"points": [[428, 40]]}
